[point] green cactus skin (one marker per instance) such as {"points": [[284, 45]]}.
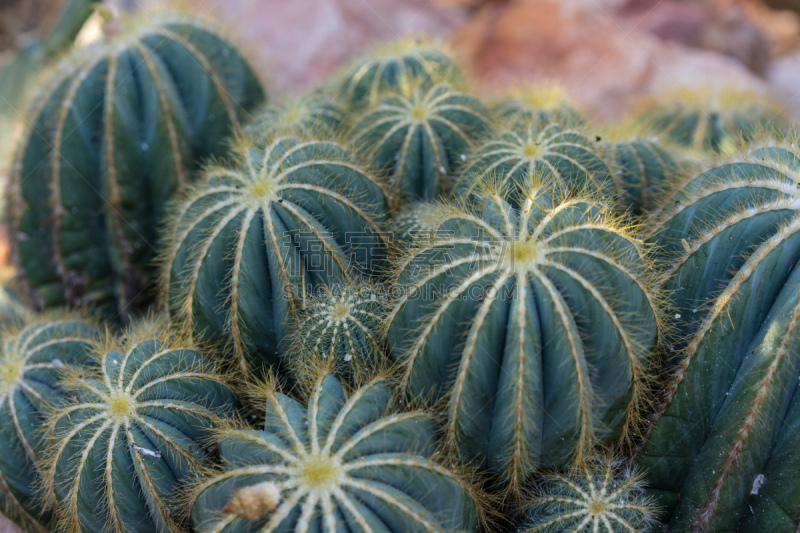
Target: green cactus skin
{"points": [[715, 122], [731, 399], [532, 327], [343, 324], [421, 137], [346, 462], [564, 156], [413, 225], [710, 226], [642, 172], [314, 114], [543, 106], [112, 134], [281, 219], [33, 357], [603, 496], [390, 69], [135, 432]]}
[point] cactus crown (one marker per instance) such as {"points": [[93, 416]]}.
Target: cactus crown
{"points": [[539, 105], [520, 260], [400, 64], [134, 430], [604, 495], [564, 156], [33, 358], [314, 113], [339, 458], [343, 323], [709, 119]]}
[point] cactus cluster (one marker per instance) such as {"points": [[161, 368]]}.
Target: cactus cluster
{"points": [[384, 305]]}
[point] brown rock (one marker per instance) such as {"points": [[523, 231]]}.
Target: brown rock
{"points": [[724, 27], [601, 62]]}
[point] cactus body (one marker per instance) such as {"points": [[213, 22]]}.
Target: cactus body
{"points": [[642, 172], [716, 122], [542, 106], [113, 133], [370, 78], [134, 433], [32, 360], [421, 137], [533, 325], [343, 324], [341, 461], [727, 413], [603, 496], [564, 156], [313, 114], [284, 218], [414, 224]]}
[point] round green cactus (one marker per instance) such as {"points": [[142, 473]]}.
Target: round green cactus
{"points": [[314, 114], [414, 224], [538, 105], [564, 156], [135, 432], [716, 121], [368, 80], [643, 170], [113, 133], [343, 323], [603, 496], [340, 461], [731, 241], [421, 136], [532, 328], [281, 219], [32, 360]]}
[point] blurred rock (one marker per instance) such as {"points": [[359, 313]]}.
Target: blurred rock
{"points": [[716, 26], [784, 75], [301, 42], [602, 63], [6, 526]]}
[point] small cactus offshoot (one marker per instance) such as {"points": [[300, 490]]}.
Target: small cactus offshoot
{"points": [[343, 323], [135, 432], [314, 114], [337, 460], [603, 496]]}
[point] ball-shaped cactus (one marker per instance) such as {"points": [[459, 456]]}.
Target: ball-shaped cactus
{"points": [[134, 433], [314, 114], [564, 156], [642, 170], [336, 461], [343, 324], [716, 121], [538, 105], [277, 221], [32, 360], [603, 496], [112, 134], [732, 246], [421, 136], [530, 328], [391, 68], [413, 224]]}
